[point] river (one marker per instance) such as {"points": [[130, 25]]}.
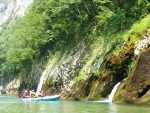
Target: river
{"points": [[12, 104]]}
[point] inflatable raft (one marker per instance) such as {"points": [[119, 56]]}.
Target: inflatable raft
{"points": [[46, 98]]}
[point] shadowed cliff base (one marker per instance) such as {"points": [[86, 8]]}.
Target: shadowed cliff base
{"points": [[136, 88]]}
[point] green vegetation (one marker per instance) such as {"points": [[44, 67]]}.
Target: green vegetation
{"points": [[54, 25], [48, 83], [139, 27]]}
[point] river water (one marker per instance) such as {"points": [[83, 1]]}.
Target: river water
{"points": [[11, 104]]}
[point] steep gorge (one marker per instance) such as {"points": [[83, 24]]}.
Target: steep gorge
{"points": [[85, 48]]}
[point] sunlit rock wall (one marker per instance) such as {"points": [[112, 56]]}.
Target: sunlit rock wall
{"points": [[136, 88], [66, 68], [14, 8], [139, 82], [73, 66], [94, 85], [21, 7], [12, 87], [145, 43]]}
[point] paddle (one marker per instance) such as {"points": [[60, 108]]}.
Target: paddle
{"points": [[19, 96]]}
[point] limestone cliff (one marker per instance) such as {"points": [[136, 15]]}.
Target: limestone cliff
{"points": [[97, 86], [81, 48], [136, 88], [13, 8], [112, 70]]}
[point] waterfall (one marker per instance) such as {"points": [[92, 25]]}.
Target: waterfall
{"points": [[87, 97], [41, 82], [110, 97]]}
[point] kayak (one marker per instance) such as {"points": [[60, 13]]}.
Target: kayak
{"points": [[46, 98]]}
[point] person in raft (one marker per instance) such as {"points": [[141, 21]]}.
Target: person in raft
{"points": [[42, 94], [32, 94], [25, 94]]}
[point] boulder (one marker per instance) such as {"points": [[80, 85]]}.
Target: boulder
{"points": [[136, 89]]}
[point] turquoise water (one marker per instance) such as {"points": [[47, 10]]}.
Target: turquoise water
{"points": [[11, 104]]}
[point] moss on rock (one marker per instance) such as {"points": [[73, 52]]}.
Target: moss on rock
{"points": [[119, 96], [138, 85], [113, 69]]}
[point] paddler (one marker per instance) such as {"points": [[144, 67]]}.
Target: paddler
{"points": [[32, 94]]}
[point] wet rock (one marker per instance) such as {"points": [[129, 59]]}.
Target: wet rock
{"points": [[112, 70], [12, 87], [78, 91], [2, 90], [137, 86], [136, 89]]}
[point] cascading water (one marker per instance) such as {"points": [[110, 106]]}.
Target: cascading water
{"points": [[41, 82], [110, 97]]}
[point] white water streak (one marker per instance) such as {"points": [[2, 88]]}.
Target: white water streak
{"points": [[41, 82], [110, 98]]}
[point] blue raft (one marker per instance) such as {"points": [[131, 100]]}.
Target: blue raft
{"points": [[46, 98]]}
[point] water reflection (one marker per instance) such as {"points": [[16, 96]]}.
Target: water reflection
{"points": [[11, 104], [112, 108]]}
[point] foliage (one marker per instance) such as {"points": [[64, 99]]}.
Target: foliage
{"points": [[139, 27], [48, 82], [131, 66], [50, 25]]}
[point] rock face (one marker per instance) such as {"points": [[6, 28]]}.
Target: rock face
{"points": [[138, 84], [2, 90], [12, 87], [139, 46], [5, 12], [14, 8], [112, 70], [66, 68], [79, 91], [136, 89]]}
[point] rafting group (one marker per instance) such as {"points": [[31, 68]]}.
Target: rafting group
{"points": [[32, 94], [35, 96]]}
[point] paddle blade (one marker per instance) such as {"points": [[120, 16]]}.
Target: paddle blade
{"points": [[19, 96]]}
